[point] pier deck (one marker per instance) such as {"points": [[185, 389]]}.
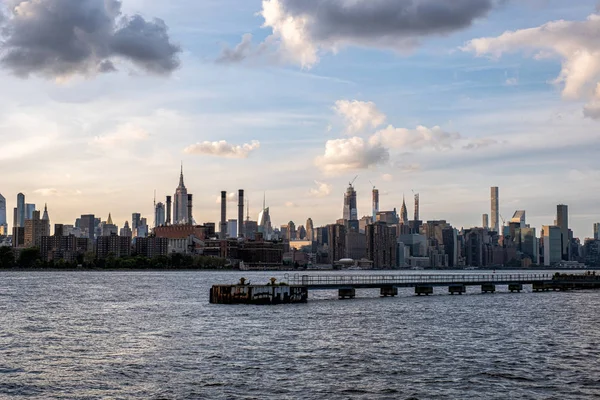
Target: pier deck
{"points": [[328, 282]]}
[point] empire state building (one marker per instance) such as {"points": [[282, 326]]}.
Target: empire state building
{"points": [[180, 211]]}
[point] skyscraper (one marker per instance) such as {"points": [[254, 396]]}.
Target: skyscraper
{"points": [[552, 244], [375, 204], [29, 209], [264, 221], [485, 221], [87, 225], [136, 219], [350, 210], [159, 215], [20, 221], [596, 230], [180, 210], [3, 223], [562, 221], [495, 212], [310, 230], [403, 213], [417, 201]]}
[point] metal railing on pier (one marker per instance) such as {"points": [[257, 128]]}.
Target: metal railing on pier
{"points": [[321, 281]]}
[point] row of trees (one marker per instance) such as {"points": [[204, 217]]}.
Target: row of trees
{"points": [[31, 258]]}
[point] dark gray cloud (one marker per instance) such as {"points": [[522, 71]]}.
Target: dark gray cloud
{"points": [[380, 19], [58, 38], [303, 29]]}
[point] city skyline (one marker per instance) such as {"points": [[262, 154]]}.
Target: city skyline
{"points": [[231, 199], [466, 108]]}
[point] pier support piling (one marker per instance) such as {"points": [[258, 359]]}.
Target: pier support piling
{"points": [[426, 290], [488, 288], [515, 287], [388, 291], [346, 293], [460, 289]]}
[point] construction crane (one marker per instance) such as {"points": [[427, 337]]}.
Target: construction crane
{"points": [[352, 182], [372, 184]]}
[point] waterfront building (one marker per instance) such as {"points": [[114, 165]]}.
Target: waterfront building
{"points": [[336, 234], [562, 221], [356, 245], [152, 246], [63, 247], [180, 210], [117, 246], [381, 245], [495, 209], [552, 238]]}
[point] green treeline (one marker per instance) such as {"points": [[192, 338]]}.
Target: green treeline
{"points": [[31, 258]]}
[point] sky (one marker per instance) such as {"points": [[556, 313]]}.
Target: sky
{"points": [[102, 100]]}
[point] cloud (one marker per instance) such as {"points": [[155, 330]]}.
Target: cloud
{"points": [[322, 190], [574, 42], [304, 29], [351, 154], [511, 82], [124, 135], [223, 149], [408, 167], [291, 204], [359, 115], [419, 138], [387, 177], [480, 143], [53, 192], [62, 38]]}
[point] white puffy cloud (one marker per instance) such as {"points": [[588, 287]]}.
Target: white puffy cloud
{"points": [[322, 190], [123, 135], [223, 149], [350, 154], [574, 42], [418, 138], [359, 115]]}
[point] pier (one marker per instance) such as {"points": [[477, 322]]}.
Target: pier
{"points": [[296, 288]]}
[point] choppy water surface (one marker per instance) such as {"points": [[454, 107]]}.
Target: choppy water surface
{"points": [[153, 335]]}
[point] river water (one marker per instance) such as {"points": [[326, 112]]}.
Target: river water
{"points": [[153, 335]]}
